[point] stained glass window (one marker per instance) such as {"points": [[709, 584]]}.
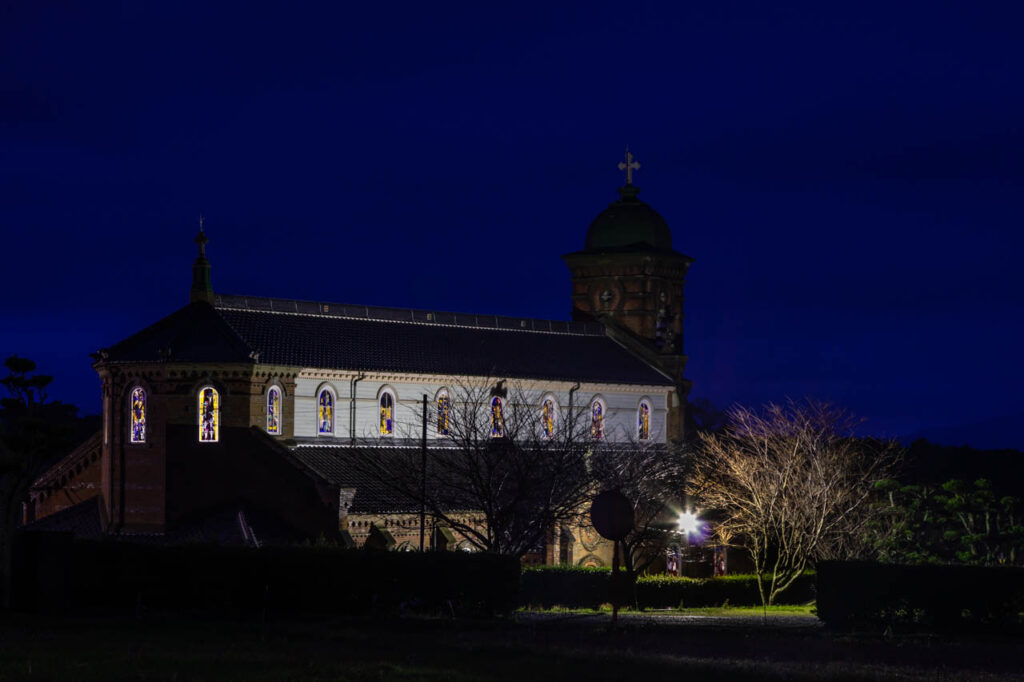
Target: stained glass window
{"points": [[209, 415], [497, 418], [325, 412], [643, 421], [597, 419], [138, 434], [547, 417], [444, 408], [387, 414], [274, 410]]}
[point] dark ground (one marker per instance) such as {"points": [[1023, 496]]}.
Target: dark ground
{"points": [[535, 646]]}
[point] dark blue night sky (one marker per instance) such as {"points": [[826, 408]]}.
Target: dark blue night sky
{"points": [[848, 177]]}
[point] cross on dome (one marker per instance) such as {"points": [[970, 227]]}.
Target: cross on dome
{"points": [[629, 165]]}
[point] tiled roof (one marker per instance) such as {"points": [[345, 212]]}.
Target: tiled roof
{"points": [[373, 496], [84, 520], [360, 338]]}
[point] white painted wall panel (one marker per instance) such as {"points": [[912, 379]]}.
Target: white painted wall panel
{"points": [[620, 416]]}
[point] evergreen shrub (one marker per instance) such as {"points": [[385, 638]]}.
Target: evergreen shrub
{"points": [[268, 581], [857, 594]]}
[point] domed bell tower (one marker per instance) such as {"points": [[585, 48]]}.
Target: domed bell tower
{"points": [[629, 277]]}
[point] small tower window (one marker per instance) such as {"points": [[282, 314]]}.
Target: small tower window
{"points": [[547, 417], [497, 418], [387, 413], [138, 413], [597, 420], [209, 415], [444, 408], [325, 412], [274, 411], [643, 421]]}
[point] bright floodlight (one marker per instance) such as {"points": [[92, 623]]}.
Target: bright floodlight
{"points": [[688, 523]]}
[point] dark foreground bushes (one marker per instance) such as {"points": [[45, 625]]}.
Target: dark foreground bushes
{"points": [[931, 597], [590, 587], [54, 572]]}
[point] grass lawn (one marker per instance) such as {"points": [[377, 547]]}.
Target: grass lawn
{"points": [[179, 648], [721, 611]]}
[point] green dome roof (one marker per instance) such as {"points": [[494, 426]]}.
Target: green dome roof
{"points": [[628, 221]]}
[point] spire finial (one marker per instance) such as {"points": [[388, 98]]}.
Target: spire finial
{"points": [[629, 165], [201, 239], [202, 290]]}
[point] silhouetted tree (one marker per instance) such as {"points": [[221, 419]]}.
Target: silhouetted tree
{"points": [[704, 417], [33, 430]]}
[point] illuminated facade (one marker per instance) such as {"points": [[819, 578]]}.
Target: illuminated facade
{"points": [[256, 413]]}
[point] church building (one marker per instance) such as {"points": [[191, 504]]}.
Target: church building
{"points": [[228, 419]]}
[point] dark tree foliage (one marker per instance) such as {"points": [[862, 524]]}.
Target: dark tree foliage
{"points": [[931, 464], [704, 417], [954, 522], [33, 431]]}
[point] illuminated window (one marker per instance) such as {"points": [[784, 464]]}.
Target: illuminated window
{"points": [[597, 419], [547, 417], [444, 408], [387, 413], [209, 415], [138, 434], [325, 412], [274, 411], [497, 418], [643, 421]]}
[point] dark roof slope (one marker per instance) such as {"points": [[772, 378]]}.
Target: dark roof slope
{"points": [[195, 333], [84, 520], [359, 338], [373, 496]]}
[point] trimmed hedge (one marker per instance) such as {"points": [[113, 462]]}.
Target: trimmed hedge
{"points": [[734, 590], [248, 582], [855, 594], [574, 587]]}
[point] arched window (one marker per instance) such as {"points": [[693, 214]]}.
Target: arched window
{"points": [[209, 415], [274, 411], [138, 410], [387, 413], [597, 419], [547, 417], [497, 418], [325, 412], [643, 420], [444, 409]]}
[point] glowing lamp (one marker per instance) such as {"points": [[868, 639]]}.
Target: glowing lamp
{"points": [[688, 523]]}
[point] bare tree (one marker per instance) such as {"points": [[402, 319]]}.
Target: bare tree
{"points": [[654, 478], [497, 477], [791, 483]]}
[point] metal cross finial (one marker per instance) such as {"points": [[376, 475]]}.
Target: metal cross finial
{"points": [[201, 239], [629, 165]]}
